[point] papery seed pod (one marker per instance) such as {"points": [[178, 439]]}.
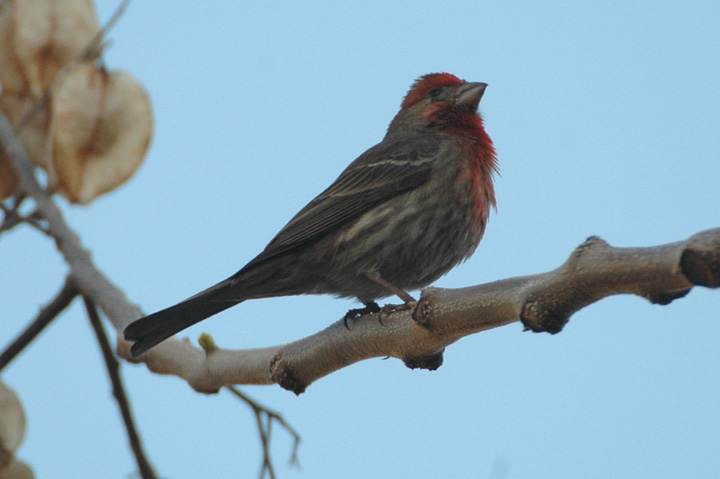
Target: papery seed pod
{"points": [[40, 37], [16, 470], [12, 423], [102, 126], [33, 135]]}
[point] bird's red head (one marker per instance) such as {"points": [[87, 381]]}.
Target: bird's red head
{"points": [[444, 102], [420, 90]]}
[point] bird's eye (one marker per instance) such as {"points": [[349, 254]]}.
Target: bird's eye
{"points": [[434, 93]]}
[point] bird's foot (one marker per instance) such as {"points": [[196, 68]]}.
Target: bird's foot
{"points": [[394, 308], [370, 308]]}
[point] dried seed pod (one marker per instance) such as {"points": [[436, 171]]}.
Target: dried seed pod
{"points": [[33, 136], [39, 37], [101, 129], [12, 423]]}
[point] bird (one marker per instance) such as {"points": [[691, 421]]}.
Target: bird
{"points": [[399, 217]]}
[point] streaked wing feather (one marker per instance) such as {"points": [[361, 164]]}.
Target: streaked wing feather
{"points": [[328, 212], [357, 190]]}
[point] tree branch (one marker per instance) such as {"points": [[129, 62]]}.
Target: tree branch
{"points": [[543, 302], [44, 317], [113, 369]]}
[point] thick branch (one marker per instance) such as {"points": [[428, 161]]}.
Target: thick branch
{"points": [[543, 302]]}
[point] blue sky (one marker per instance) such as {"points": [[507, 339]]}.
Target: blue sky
{"points": [[605, 118]]}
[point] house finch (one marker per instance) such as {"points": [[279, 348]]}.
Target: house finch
{"points": [[399, 217]]}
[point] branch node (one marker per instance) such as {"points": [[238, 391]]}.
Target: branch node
{"points": [[202, 388], [538, 318], [700, 264], [666, 297], [424, 310], [592, 242], [283, 374], [430, 362]]}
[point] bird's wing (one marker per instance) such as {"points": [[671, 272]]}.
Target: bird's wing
{"points": [[378, 175]]}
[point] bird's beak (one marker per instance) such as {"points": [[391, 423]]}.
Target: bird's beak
{"points": [[470, 94]]}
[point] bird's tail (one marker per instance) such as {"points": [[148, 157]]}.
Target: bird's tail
{"points": [[157, 327]]}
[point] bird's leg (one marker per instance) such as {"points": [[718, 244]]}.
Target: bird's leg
{"points": [[375, 277]]}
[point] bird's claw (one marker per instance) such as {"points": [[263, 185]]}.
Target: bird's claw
{"points": [[370, 308], [393, 308]]}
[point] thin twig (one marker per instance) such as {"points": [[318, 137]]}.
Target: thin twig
{"points": [[68, 292], [13, 218], [265, 428], [265, 440], [113, 368]]}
